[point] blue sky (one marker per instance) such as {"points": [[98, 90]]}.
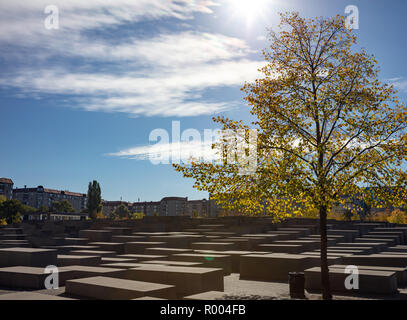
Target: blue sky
{"points": [[79, 103]]}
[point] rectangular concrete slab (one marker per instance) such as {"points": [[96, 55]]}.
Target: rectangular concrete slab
{"points": [[401, 273], [72, 260], [96, 235], [383, 260], [105, 288], [27, 257], [187, 280], [99, 253], [166, 251], [117, 260], [222, 246], [209, 295], [143, 257], [123, 239], [174, 263], [124, 265], [281, 248], [29, 277], [208, 259], [272, 267], [370, 281], [139, 246], [90, 271], [118, 247]]}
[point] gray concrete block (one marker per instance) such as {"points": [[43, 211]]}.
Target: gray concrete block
{"points": [[370, 281], [105, 288], [27, 257], [272, 267]]}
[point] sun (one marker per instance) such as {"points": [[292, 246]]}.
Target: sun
{"points": [[249, 9]]}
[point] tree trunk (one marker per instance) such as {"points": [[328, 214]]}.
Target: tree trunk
{"points": [[326, 290]]}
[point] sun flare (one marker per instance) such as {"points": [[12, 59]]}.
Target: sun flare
{"points": [[251, 9]]}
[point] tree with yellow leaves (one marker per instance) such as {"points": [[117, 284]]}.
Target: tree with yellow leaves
{"points": [[328, 131]]}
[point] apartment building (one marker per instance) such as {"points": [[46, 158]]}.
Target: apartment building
{"points": [[40, 196], [168, 206], [6, 188], [109, 206]]}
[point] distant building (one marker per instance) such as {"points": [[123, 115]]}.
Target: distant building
{"points": [[200, 208], [40, 196], [168, 206], [108, 207], [173, 206], [148, 208], [6, 188], [51, 216]]}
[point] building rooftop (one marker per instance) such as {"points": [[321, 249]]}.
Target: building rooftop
{"points": [[6, 181], [45, 190]]}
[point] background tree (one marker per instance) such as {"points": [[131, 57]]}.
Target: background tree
{"points": [[63, 206], [43, 209], [327, 128], [11, 210], [94, 204], [121, 212]]}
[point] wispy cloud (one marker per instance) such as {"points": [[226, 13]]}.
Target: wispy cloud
{"points": [[400, 83], [170, 152], [161, 75]]}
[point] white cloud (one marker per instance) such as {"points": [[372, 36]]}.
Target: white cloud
{"points": [[400, 83], [161, 75], [26, 18], [159, 93], [171, 152]]}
